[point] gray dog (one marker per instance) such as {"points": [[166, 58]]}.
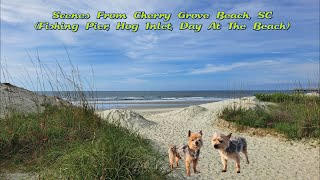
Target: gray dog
{"points": [[230, 148]]}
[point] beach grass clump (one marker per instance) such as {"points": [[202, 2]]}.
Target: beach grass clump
{"points": [[74, 143], [245, 116], [23, 135], [285, 98], [296, 116], [111, 156], [70, 141]]}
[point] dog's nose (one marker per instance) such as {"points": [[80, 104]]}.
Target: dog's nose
{"points": [[197, 143], [216, 146]]}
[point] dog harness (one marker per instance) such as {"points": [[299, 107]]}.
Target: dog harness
{"points": [[184, 150]]}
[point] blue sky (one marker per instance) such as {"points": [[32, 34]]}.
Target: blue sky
{"points": [[166, 60]]}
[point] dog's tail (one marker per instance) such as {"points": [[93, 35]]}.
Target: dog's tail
{"points": [[172, 149]]}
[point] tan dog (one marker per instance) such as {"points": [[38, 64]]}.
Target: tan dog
{"points": [[230, 148], [189, 152]]}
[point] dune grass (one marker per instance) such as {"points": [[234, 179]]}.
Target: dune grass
{"points": [[287, 98], [73, 143], [295, 115]]}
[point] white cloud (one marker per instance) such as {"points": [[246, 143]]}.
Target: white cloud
{"points": [[132, 80], [220, 68]]}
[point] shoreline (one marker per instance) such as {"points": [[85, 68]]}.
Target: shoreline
{"points": [[150, 106]]}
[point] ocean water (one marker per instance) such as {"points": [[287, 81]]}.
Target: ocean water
{"points": [[145, 99]]}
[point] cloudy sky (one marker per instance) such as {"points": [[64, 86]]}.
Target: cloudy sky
{"points": [[165, 60]]}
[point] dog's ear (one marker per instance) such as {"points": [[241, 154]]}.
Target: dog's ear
{"points": [[189, 133], [229, 135], [200, 132]]}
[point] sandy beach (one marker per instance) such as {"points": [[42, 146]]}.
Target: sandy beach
{"points": [[270, 157]]}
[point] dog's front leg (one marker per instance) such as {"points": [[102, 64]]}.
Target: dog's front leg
{"points": [[188, 167], [224, 163], [195, 163], [238, 164]]}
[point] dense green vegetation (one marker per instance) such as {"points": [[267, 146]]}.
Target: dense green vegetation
{"points": [[287, 98], [294, 115], [74, 143]]}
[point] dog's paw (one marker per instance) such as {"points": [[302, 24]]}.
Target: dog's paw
{"points": [[224, 170], [238, 171], [196, 171]]}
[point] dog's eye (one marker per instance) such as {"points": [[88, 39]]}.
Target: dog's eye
{"points": [[220, 141]]}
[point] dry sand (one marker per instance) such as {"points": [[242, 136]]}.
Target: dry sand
{"points": [[126, 118], [270, 157]]}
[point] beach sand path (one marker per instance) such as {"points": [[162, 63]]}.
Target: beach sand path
{"points": [[270, 157]]}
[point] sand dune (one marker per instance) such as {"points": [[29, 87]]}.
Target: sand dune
{"points": [[126, 118], [270, 157], [16, 99]]}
